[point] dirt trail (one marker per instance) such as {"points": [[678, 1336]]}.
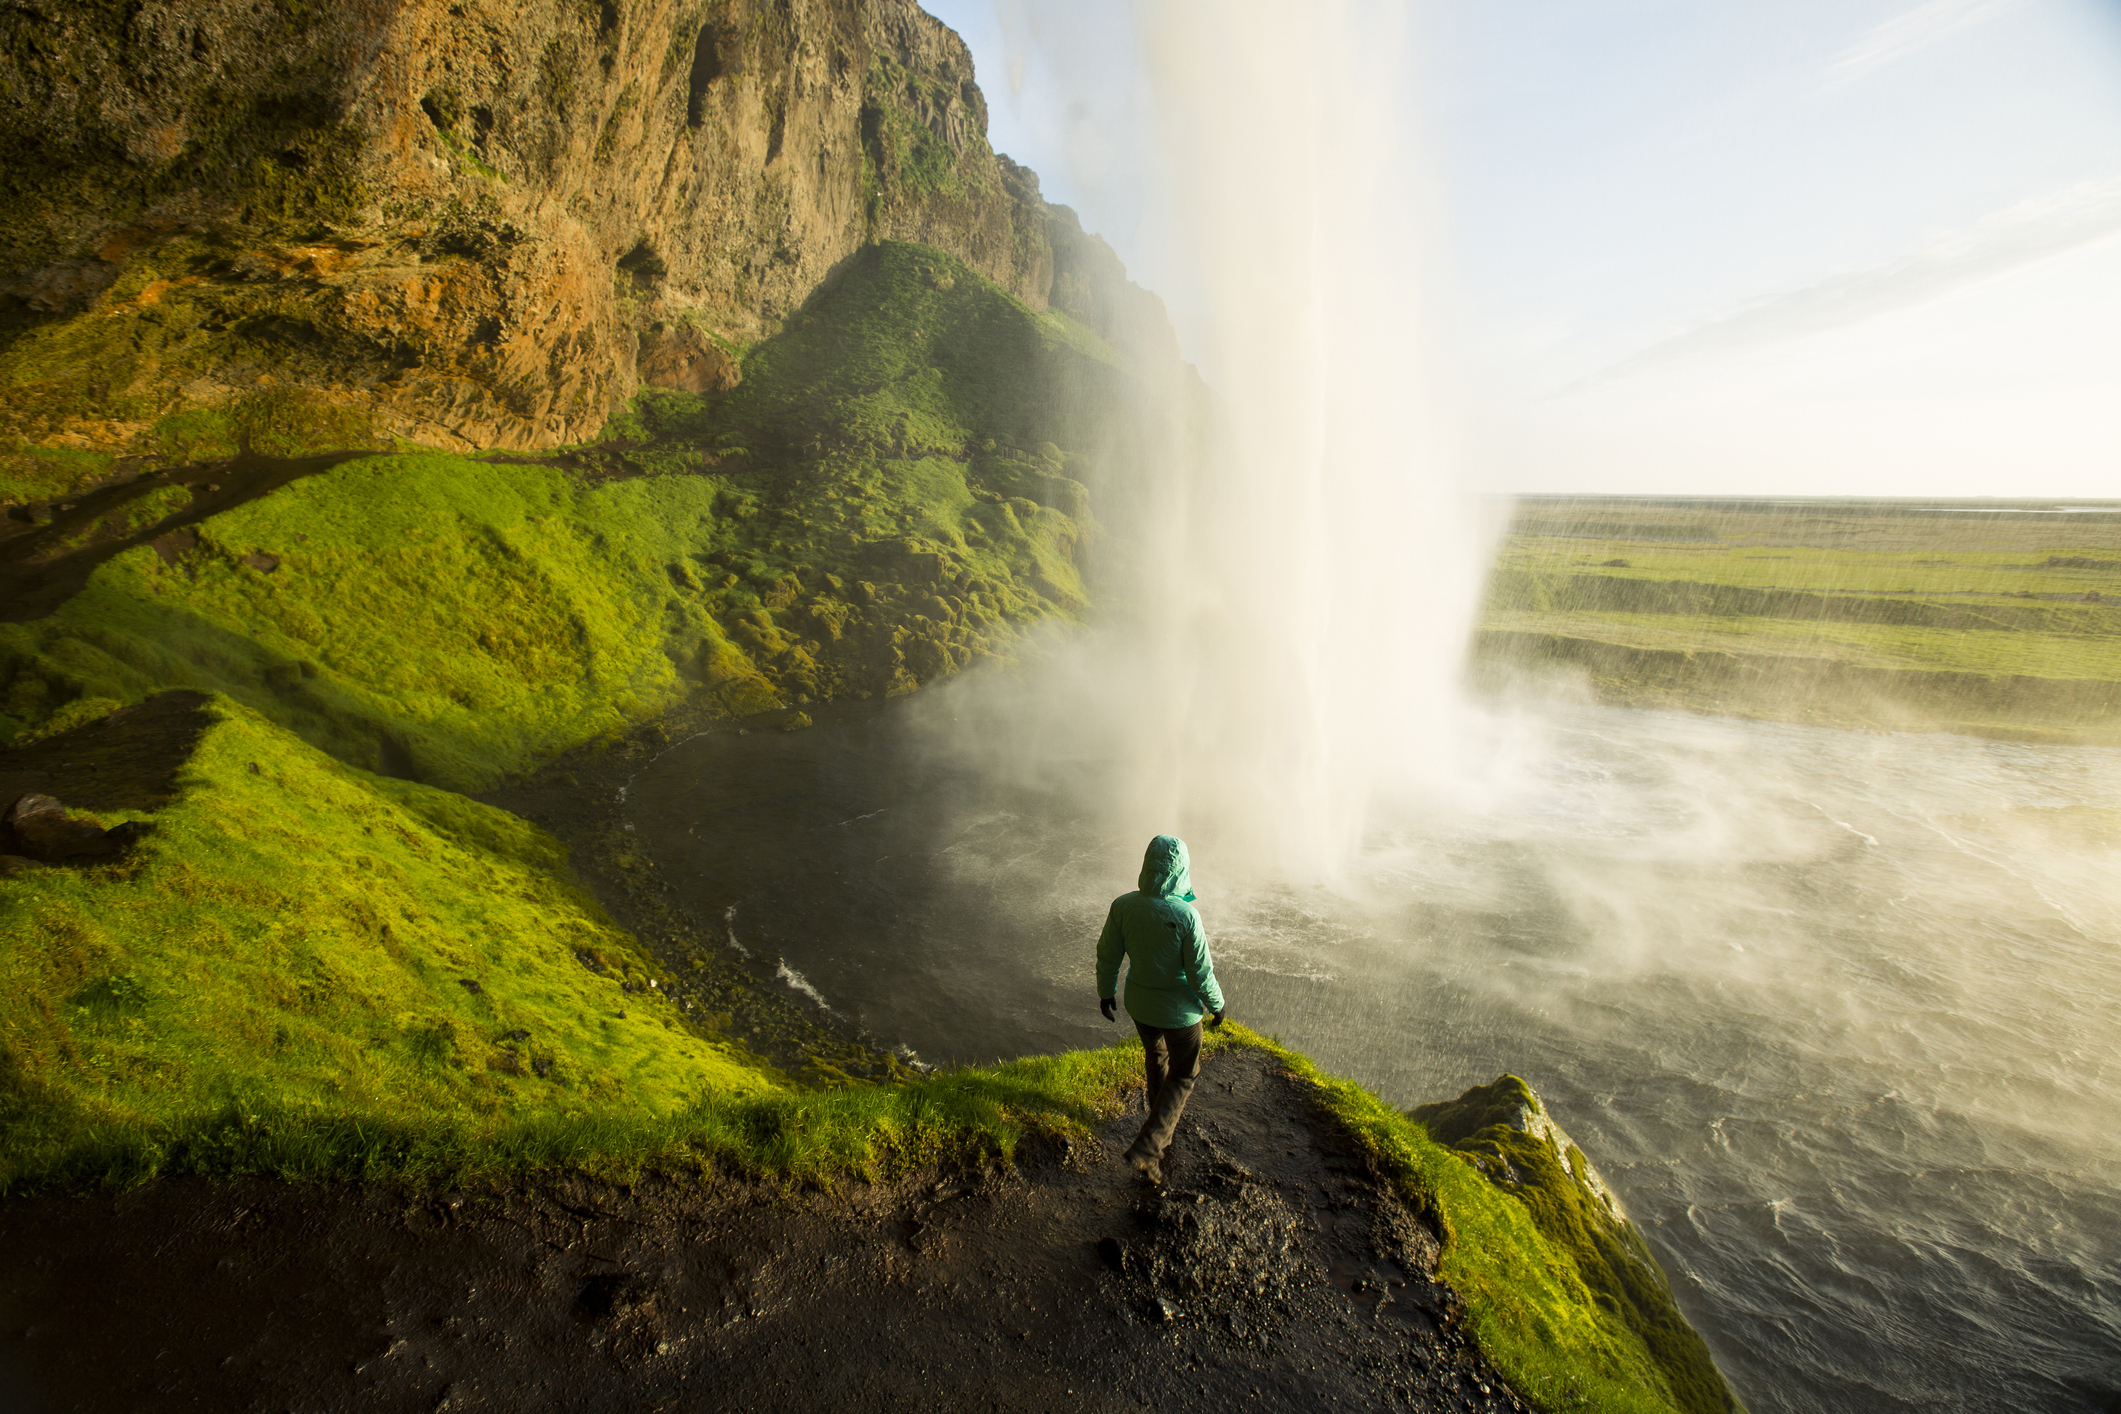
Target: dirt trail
{"points": [[1272, 1274]]}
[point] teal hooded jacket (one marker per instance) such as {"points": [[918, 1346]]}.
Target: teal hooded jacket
{"points": [[1170, 977]]}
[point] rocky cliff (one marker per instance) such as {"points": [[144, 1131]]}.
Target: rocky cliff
{"points": [[475, 224]]}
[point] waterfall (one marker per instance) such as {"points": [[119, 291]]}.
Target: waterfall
{"points": [[1302, 572]]}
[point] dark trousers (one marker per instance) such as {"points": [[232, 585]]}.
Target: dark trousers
{"points": [[1172, 1056]]}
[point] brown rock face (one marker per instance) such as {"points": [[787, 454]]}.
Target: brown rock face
{"points": [[687, 360], [472, 222]]}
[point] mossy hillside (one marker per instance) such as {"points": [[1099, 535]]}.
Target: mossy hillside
{"points": [[274, 982], [29, 475], [1502, 1130], [423, 614], [882, 501], [913, 427], [295, 939]]}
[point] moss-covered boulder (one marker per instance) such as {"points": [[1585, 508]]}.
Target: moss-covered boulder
{"points": [[1503, 1130]]}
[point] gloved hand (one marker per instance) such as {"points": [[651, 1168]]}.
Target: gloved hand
{"points": [[1110, 1007], [1215, 1021]]}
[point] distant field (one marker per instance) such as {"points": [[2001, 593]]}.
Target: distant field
{"points": [[2002, 619]]}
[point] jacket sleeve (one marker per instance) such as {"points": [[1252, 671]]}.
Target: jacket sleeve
{"points": [[1111, 947], [1200, 968]]}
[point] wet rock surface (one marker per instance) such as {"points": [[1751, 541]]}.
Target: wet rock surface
{"points": [[1273, 1273]]}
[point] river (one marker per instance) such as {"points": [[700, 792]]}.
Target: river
{"points": [[1838, 1014]]}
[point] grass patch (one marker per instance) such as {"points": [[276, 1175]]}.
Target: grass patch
{"points": [[1504, 1131], [180, 312], [32, 474], [300, 939]]}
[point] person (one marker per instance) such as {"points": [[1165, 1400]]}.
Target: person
{"points": [[1170, 985]]}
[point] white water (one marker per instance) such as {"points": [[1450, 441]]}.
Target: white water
{"points": [[1305, 575]]}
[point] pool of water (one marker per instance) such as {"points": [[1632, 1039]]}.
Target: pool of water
{"points": [[1837, 1013]]}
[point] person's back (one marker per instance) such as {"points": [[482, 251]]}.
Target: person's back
{"points": [[1170, 985]]}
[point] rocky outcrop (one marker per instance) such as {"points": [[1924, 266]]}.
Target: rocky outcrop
{"points": [[482, 223], [41, 829], [1504, 1131]]}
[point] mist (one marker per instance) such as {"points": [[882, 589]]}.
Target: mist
{"points": [[1288, 590]]}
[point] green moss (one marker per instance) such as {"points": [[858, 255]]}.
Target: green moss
{"points": [[32, 474], [177, 314], [903, 149], [443, 618], [130, 518], [293, 940], [1502, 1130], [196, 435]]}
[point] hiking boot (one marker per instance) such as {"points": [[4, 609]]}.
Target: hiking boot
{"points": [[1147, 1166]]}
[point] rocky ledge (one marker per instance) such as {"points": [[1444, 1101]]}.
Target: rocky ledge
{"points": [[1276, 1271]]}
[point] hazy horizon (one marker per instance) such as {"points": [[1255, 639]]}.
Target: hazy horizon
{"points": [[1870, 248]]}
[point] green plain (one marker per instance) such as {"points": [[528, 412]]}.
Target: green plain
{"points": [[1858, 614]]}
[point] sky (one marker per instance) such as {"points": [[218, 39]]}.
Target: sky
{"points": [[1721, 247]]}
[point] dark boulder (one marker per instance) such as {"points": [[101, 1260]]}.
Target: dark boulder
{"points": [[39, 828]]}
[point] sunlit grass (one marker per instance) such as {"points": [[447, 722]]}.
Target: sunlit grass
{"points": [[881, 501], [296, 938], [1996, 652], [2007, 627]]}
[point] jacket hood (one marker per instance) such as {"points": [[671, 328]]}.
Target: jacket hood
{"points": [[1164, 870]]}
